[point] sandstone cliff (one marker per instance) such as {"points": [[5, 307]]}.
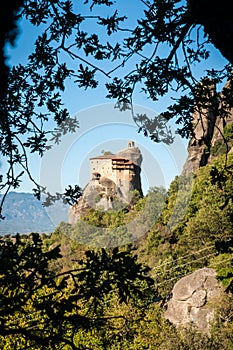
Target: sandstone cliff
{"points": [[210, 118]]}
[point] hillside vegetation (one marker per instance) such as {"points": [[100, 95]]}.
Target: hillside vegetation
{"points": [[106, 284]]}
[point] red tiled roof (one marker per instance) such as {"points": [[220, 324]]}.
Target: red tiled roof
{"points": [[108, 156]]}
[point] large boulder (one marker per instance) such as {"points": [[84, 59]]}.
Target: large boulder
{"points": [[193, 299]]}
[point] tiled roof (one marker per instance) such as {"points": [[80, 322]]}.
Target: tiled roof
{"points": [[108, 156]]}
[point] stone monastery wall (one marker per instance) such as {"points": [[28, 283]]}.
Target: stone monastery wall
{"points": [[112, 176]]}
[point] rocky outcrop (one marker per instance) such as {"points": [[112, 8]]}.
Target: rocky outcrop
{"points": [[209, 119], [204, 119], [131, 153], [97, 195], [226, 116], [113, 179], [193, 299]]}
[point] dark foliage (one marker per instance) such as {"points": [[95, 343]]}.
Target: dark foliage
{"points": [[31, 98], [51, 308]]}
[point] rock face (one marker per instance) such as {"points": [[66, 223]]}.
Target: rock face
{"points": [[193, 299], [113, 178], [208, 124]]}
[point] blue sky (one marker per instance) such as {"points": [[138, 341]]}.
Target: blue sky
{"points": [[102, 127]]}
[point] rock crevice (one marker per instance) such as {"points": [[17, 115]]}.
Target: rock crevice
{"points": [[210, 118]]}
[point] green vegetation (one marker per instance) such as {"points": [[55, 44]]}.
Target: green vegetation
{"points": [[71, 297], [223, 146], [79, 295], [42, 308], [195, 240], [161, 50], [117, 227]]}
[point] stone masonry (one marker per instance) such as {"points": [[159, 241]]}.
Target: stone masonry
{"points": [[113, 177]]}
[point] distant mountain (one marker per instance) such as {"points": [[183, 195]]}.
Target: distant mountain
{"points": [[24, 214]]}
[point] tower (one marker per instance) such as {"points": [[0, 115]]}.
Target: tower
{"points": [[131, 144]]}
